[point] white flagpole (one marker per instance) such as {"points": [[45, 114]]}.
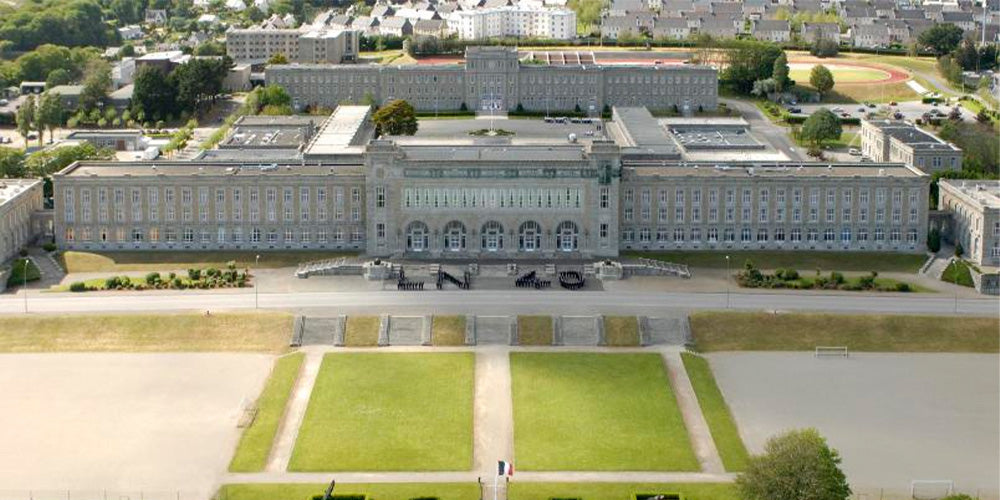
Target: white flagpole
{"points": [[496, 480]]}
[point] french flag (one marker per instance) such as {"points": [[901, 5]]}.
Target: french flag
{"points": [[505, 468]]}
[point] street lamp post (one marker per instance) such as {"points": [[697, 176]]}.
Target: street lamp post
{"points": [[24, 286], [256, 284], [727, 282]]}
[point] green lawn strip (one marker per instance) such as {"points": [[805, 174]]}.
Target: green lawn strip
{"points": [[389, 412], [361, 331], [534, 330], [18, 273], [616, 491], [738, 331], [621, 331], [716, 411], [375, 491], [74, 261], [595, 411], [255, 444], [247, 332], [802, 261], [958, 272], [448, 331]]}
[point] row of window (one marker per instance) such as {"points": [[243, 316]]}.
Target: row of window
{"points": [[490, 198], [765, 216], [762, 196], [746, 235], [206, 235]]}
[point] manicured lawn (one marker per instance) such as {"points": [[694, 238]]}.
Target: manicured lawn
{"points": [[253, 332], [534, 330], [958, 273], [361, 331], [862, 92], [621, 331], [802, 261], [389, 412], [619, 491], [713, 406], [448, 330], [255, 444], [737, 331], [840, 74], [18, 273], [84, 262], [378, 491], [590, 411]]}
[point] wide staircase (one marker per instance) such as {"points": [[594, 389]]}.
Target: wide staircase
{"points": [[653, 267]]}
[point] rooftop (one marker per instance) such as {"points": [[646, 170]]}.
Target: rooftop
{"points": [[985, 193], [638, 132], [777, 170], [912, 136], [345, 131], [201, 168], [10, 188]]}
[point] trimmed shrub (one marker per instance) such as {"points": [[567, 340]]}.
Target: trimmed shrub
{"points": [[153, 278], [194, 274], [49, 247], [23, 252], [78, 286]]}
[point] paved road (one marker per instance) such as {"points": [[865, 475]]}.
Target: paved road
{"points": [[759, 124], [500, 302]]}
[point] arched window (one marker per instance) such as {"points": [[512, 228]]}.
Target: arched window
{"points": [[492, 234], [567, 236], [454, 236], [416, 237], [529, 236]]}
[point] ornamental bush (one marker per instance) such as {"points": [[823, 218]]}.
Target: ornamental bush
{"points": [[78, 286]]}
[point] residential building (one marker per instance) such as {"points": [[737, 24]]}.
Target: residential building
{"points": [[525, 21], [813, 32], [778, 31], [258, 45]]}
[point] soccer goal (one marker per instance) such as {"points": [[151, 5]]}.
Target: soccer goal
{"points": [[931, 489], [831, 352]]}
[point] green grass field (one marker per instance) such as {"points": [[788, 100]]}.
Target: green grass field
{"points": [[958, 272], [375, 491], [247, 332], [389, 412], [589, 411], [720, 421], [738, 331], [18, 273], [840, 74], [448, 330], [470, 491], [88, 262], [621, 331], [534, 330], [255, 443], [361, 331], [802, 261]]}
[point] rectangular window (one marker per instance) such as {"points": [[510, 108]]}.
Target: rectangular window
{"points": [[605, 195], [379, 196]]}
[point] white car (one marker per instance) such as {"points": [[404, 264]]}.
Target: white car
{"points": [[838, 109], [854, 152]]}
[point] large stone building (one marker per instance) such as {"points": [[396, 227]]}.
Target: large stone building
{"points": [[895, 141], [541, 193], [513, 21], [494, 78], [975, 217], [20, 200]]}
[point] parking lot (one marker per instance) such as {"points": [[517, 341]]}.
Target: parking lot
{"points": [[893, 417], [910, 110], [121, 422]]}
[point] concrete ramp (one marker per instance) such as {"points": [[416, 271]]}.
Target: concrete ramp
{"points": [[493, 330], [406, 330], [665, 331], [580, 330]]}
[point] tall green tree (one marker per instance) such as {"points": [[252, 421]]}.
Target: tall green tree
{"points": [[26, 117], [96, 84], [153, 97], [780, 73], [941, 38], [49, 161], [11, 163], [821, 79], [396, 118], [821, 126], [50, 114], [747, 61], [58, 76], [797, 465]]}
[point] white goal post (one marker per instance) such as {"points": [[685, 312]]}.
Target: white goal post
{"points": [[931, 489], [834, 351]]}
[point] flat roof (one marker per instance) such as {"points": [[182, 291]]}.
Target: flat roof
{"points": [[10, 188], [82, 134], [343, 132], [237, 154], [776, 170], [638, 132], [283, 132], [985, 193], [495, 153], [88, 169]]}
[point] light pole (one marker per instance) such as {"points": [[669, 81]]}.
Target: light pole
{"points": [[25, 284], [256, 284], [954, 280], [727, 282]]}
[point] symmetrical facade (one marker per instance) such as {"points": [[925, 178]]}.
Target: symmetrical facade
{"points": [[894, 141], [975, 213], [257, 45], [513, 21], [494, 78]]}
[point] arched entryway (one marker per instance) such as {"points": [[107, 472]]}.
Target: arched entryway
{"points": [[529, 236], [454, 236], [567, 236], [416, 237], [492, 236]]}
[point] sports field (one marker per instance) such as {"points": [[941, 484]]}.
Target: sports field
{"points": [[841, 73], [590, 411], [388, 412]]}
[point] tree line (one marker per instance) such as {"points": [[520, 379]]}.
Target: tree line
{"points": [[184, 90]]}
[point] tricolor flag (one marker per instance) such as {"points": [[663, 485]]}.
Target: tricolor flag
{"points": [[505, 468]]}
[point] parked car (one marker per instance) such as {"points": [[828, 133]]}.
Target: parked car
{"points": [[865, 159], [854, 152], [838, 109], [897, 115], [870, 104], [894, 103], [845, 115], [861, 109]]}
